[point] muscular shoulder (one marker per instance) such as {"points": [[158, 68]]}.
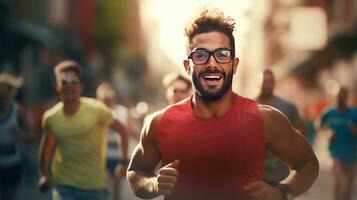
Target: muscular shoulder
{"points": [[269, 112], [148, 132], [274, 121], [284, 105], [171, 113]]}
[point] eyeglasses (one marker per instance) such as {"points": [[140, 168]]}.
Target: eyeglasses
{"points": [[69, 82], [202, 56]]}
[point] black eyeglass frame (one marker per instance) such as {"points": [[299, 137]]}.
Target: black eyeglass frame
{"points": [[210, 53]]}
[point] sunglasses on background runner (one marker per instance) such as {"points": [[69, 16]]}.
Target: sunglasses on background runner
{"points": [[69, 82]]}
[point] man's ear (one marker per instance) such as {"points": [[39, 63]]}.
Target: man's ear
{"points": [[186, 64], [235, 64]]}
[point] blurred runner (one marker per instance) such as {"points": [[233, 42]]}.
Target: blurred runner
{"points": [[14, 129], [116, 166], [75, 139], [177, 87], [342, 120]]}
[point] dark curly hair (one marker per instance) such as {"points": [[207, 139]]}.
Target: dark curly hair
{"points": [[211, 20]]}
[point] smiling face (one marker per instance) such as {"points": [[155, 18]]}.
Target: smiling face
{"points": [[211, 80], [177, 91], [68, 86]]}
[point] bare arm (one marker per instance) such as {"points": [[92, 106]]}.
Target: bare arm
{"points": [[300, 126], [46, 150], [292, 148], [141, 177], [144, 159], [119, 128]]}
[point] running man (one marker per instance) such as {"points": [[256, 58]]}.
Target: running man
{"points": [[116, 166], [342, 120], [212, 145], [14, 129], [75, 139]]}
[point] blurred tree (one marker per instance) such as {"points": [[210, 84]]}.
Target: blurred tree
{"points": [[116, 34], [111, 25]]}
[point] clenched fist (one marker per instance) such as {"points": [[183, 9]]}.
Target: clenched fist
{"points": [[167, 178]]}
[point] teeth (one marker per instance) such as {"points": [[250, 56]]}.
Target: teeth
{"points": [[212, 77]]}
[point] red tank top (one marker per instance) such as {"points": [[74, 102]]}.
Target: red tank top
{"points": [[217, 156]]}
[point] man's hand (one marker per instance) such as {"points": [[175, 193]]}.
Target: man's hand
{"points": [[44, 183], [167, 178], [261, 190], [120, 170]]}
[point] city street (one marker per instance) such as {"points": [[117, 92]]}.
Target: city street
{"points": [[321, 190]]}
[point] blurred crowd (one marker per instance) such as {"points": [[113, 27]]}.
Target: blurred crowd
{"points": [[20, 126], [318, 96]]}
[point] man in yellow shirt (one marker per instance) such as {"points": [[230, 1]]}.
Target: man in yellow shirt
{"points": [[74, 140]]}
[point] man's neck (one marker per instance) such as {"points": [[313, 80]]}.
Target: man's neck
{"points": [[265, 100], [212, 109], [70, 107]]}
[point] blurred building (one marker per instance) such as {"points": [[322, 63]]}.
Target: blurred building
{"points": [[105, 37], [101, 35], [311, 45]]}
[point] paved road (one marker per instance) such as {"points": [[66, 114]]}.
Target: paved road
{"points": [[321, 190]]}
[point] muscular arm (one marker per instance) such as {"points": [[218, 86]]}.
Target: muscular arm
{"points": [[145, 157], [292, 148], [46, 150], [299, 125], [119, 128]]}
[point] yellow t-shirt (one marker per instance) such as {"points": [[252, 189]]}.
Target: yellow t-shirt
{"points": [[79, 157]]}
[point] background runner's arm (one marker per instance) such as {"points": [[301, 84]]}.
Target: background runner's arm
{"points": [[120, 129], [46, 151]]}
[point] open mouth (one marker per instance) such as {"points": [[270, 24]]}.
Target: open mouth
{"points": [[212, 79], [68, 92]]}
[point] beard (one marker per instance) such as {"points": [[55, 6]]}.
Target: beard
{"points": [[211, 96]]}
